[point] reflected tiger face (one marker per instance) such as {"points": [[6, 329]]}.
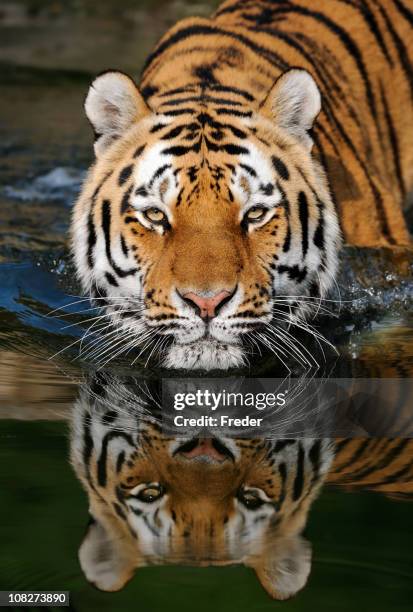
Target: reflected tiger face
{"points": [[202, 501], [198, 230]]}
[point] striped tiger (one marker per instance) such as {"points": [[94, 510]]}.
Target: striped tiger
{"points": [[375, 464], [159, 499], [211, 214]]}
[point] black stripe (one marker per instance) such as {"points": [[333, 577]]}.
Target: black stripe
{"points": [[233, 8], [125, 202], [111, 279], [236, 131], [179, 111], [119, 511], [139, 151], [299, 476], [87, 444], [235, 90], [180, 150], [149, 526], [307, 182], [124, 174], [124, 246], [303, 215], [287, 241], [341, 444], [120, 461], [248, 169], [267, 189], [281, 444], [407, 14], [128, 220], [314, 456], [178, 90], [202, 100], [91, 240], [106, 221], [158, 173], [109, 417], [318, 238], [179, 197], [232, 149], [280, 168], [149, 91], [173, 133], [141, 191], [294, 272], [286, 205], [157, 127], [101, 466], [233, 112]]}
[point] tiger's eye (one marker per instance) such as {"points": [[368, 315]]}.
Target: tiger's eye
{"points": [[256, 213], [250, 499], [150, 494], [155, 215]]}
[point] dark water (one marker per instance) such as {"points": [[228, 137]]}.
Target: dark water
{"points": [[362, 540]]}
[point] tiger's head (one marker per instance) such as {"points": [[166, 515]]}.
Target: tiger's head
{"points": [[200, 227], [159, 499]]}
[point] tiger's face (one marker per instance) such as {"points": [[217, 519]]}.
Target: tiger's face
{"points": [[156, 499], [195, 231]]}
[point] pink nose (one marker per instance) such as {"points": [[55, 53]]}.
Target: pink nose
{"points": [[206, 307]]}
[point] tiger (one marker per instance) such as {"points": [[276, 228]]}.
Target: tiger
{"points": [[224, 185], [157, 499]]}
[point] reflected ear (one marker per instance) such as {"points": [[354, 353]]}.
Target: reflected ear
{"points": [[112, 105], [284, 569], [101, 560], [293, 103]]}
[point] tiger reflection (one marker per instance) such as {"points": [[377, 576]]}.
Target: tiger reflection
{"points": [[203, 501], [158, 499]]}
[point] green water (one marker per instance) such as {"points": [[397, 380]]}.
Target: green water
{"points": [[362, 544]]}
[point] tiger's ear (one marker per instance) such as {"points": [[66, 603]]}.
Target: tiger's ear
{"points": [[284, 568], [112, 105], [101, 560], [294, 103]]}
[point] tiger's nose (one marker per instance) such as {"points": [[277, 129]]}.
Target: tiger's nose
{"points": [[207, 307], [210, 449]]}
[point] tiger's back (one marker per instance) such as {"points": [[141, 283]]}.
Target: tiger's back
{"points": [[359, 52]]}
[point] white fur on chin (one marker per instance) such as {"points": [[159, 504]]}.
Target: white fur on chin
{"points": [[204, 355]]}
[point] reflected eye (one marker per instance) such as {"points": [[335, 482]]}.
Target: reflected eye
{"points": [[250, 498], [150, 494], [155, 215], [255, 214]]}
